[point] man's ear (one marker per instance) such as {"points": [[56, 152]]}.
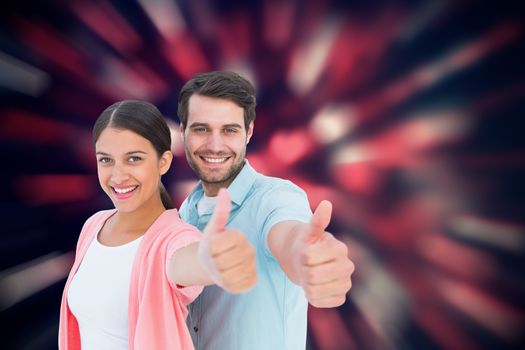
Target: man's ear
{"points": [[249, 133], [181, 130], [165, 162]]}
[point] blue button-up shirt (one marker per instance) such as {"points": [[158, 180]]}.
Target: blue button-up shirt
{"points": [[272, 315]]}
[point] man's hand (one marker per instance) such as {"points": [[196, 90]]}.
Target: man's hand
{"points": [[321, 262], [226, 254]]}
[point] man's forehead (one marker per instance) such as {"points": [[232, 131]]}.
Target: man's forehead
{"points": [[214, 111], [197, 100]]}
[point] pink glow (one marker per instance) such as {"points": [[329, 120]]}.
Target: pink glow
{"points": [[233, 37], [32, 128], [464, 261], [495, 315], [56, 189], [359, 49], [444, 329], [289, 147], [131, 79], [358, 178], [185, 56], [278, 22], [426, 76], [329, 330], [53, 46], [104, 20]]}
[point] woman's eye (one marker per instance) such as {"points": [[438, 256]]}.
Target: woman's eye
{"points": [[134, 159], [104, 160]]}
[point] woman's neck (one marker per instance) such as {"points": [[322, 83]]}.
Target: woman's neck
{"points": [[139, 220]]}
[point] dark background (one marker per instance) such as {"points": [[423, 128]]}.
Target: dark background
{"points": [[407, 115]]}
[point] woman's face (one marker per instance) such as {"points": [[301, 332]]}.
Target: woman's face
{"points": [[129, 169]]}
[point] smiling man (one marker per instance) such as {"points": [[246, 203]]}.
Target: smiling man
{"points": [[216, 159], [297, 260]]}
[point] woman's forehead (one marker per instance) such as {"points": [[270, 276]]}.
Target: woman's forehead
{"points": [[114, 140]]}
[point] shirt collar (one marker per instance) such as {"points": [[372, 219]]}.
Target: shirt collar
{"points": [[242, 183]]}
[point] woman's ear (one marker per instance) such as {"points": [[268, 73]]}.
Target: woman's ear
{"points": [[165, 162]]}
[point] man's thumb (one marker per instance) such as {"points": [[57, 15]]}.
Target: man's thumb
{"points": [[319, 221], [221, 213]]}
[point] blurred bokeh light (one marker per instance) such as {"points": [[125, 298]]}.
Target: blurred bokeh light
{"points": [[407, 115]]}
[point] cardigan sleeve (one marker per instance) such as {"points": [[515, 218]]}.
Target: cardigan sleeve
{"points": [[180, 240]]}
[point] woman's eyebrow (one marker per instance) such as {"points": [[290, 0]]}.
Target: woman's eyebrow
{"points": [[127, 153]]}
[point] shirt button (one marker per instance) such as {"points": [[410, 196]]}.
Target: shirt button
{"points": [[196, 329]]}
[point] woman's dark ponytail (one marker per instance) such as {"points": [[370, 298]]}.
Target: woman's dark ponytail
{"points": [[165, 197]]}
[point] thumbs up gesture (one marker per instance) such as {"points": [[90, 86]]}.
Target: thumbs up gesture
{"points": [[226, 254], [322, 266]]}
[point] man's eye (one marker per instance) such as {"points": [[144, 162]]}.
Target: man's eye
{"points": [[134, 159], [230, 130], [104, 160], [199, 129]]}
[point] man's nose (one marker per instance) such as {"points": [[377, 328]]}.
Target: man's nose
{"points": [[215, 142]]}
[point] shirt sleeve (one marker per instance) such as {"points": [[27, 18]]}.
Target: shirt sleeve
{"points": [[285, 202], [180, 240]]}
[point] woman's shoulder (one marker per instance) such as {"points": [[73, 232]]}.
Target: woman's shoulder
{"points": [[170, 220], [101, 215], [171, 231]]}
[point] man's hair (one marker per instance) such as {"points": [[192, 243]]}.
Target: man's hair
{"points": [[219, 84]]}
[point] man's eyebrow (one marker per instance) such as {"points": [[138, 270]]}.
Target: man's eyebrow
{"points": [[198, 124], [232, 125]]}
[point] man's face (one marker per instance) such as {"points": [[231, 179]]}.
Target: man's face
{"points": [[215, 140]]}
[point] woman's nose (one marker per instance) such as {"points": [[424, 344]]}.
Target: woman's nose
{"points": [[119, 174]]}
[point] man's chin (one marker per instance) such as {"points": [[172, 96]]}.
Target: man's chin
{"points": [[216, 176], [213, 180]]}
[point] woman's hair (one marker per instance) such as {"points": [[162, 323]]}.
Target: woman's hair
{"points": [[219, 84], [144, 119]]}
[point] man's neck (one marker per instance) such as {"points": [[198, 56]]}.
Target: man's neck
{"points": [[211, 189]]}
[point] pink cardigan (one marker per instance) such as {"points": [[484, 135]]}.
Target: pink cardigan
{"points": [[157, 307]]}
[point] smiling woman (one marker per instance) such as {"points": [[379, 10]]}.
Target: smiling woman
{"points": [[139, 262], [138, 130], [129, 169]]}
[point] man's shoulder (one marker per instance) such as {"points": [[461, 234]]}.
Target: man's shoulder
{"points": [[265, 183]]}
